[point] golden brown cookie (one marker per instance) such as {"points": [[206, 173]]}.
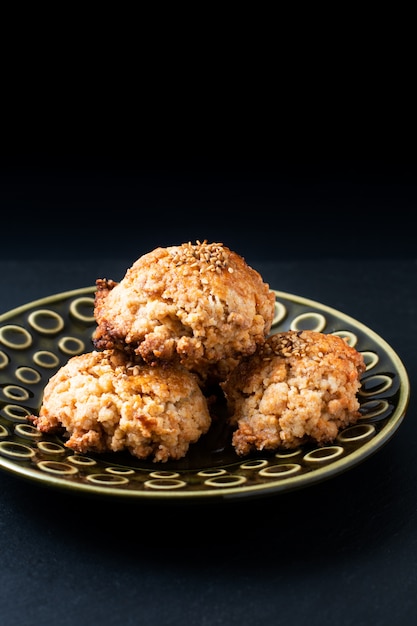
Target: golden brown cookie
{"points": [[102, 403], [199, 304], [297, 387]]}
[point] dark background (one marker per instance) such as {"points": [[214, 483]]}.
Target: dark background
{"points": [[109, 200]]}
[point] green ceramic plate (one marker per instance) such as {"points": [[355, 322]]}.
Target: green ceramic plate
{"points": [[38, 338]]}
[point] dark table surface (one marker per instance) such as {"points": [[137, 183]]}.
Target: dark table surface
{"points": [[342, 551]]}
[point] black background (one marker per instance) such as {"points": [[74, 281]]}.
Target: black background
{"points": [[107, 200]]}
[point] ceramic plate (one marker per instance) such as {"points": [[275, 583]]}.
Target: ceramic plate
{"points": [[38, 338]]}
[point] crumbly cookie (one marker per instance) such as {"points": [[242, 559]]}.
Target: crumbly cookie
{"points": [[297, 387], [200, 304], [103, 403]]}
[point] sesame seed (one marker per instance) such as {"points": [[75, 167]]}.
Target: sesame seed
{"points": [[208, 257], [287, 345]]}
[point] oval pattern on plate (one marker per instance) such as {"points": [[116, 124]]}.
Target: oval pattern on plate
{"points": [[37, 338]]}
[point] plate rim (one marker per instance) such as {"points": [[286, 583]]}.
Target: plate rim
{"points": [[234, 492]]}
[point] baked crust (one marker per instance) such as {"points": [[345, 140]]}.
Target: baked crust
{"points": [[298, 387], [103, 403], [199, 304]]}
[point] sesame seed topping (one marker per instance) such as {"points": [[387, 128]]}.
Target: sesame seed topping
{"points": [[285, 345], [208, 257], [134, 370]]}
